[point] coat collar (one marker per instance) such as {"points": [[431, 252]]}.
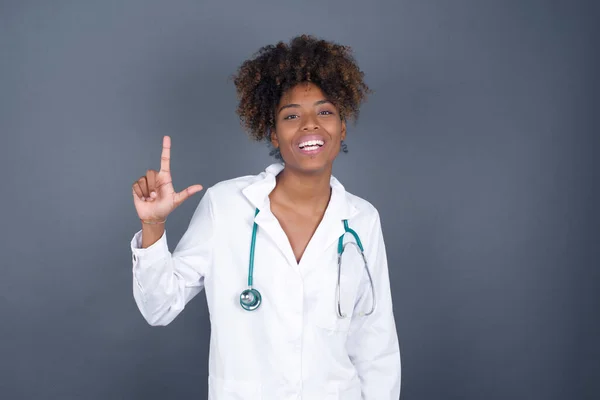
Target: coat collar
{"points": [[328, 231], [257, 193]]}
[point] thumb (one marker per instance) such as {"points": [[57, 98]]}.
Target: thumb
{"points": [[186, 193]]}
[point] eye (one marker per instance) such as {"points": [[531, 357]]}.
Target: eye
{"points": [[292, 116], [326, 112]]}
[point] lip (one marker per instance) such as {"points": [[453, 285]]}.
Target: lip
{"points": [[305, 138]]}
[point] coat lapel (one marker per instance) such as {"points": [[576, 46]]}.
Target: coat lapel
{"points": [[328, 232], [258, 195], [331, 227]]}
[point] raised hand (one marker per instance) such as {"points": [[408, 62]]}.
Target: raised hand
{"points": [[153, 194]]}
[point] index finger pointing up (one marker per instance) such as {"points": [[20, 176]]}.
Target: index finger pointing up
{"points": [[165, 157]]}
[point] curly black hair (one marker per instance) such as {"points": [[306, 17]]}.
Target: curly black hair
{"points": [[261, 81]]}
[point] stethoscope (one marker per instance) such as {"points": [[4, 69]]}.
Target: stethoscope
{"points": [[250, 299]]}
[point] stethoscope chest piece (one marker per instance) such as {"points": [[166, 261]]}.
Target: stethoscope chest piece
{"points": [[250, 299]]}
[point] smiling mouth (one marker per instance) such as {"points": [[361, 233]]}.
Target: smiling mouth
{"points": [[311, 145]]}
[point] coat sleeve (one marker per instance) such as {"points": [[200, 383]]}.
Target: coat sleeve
{"points": [[372, 343], [163, 283]]}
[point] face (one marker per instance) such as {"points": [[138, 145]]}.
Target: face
{"points": [[308, 129]]}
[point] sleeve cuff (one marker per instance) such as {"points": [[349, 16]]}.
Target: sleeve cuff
{"points": [[155, 251]]}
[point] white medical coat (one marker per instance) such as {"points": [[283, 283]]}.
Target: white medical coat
{"points": [[293, 346]]}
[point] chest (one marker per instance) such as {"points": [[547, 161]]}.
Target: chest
{"points": [[299, 229]]}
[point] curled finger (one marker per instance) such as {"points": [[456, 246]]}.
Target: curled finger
{"points": [[143, 183], [151, 181], [137, 190]]}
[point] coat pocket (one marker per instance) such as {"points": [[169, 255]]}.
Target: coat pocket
{"points": [[343, 391], [227, 389], [326, 312], [351, 392]]}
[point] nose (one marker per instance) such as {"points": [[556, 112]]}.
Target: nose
{"points": [[310, 123]]}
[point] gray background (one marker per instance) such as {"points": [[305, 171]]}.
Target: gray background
{"points": [[477, 148]]}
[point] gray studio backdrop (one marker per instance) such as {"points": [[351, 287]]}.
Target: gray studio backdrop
{"points": [[476, 148]]}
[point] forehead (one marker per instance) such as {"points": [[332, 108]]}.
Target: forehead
{"points": [[302, 92]]}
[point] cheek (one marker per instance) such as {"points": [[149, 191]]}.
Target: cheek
{"points": [[332, 121], [334, 127], [285, 133]]}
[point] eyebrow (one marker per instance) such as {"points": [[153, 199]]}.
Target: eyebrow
{"points": [[317, 103]]}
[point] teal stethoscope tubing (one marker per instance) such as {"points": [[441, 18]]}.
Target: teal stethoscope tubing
{"points": [[251, 298]]}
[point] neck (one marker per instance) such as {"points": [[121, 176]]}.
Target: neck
{"points": [[305, 192]]}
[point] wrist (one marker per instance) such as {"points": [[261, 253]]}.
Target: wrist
{"points": [[153, 222]]}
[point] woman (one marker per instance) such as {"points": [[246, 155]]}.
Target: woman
{"points": [[265, 248]]}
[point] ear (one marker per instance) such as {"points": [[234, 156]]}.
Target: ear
{"points": [[343, 130], [274, 140]]}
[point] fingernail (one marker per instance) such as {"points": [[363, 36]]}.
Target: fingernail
{"points": [[153, 194], [143, 198]]}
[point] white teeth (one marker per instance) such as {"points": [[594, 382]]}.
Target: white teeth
{"points": [[312, 143]]}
